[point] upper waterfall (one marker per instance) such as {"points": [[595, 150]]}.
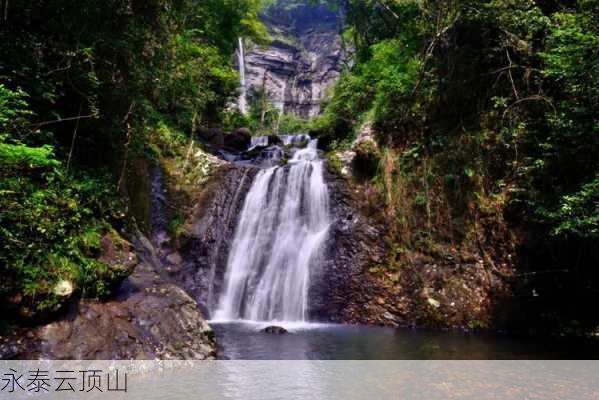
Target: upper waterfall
{"points": [[280, 235], [243, 85]]}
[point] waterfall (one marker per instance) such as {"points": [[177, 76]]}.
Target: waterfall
{"points": [[259, 141], [289, 140], [243, 83], [280, 235]]}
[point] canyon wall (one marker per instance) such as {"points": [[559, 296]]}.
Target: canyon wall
{"points": [[304, 59]]}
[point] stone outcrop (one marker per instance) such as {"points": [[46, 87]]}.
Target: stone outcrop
{"points": [[151, 318], [303, 61], [444, 289], [355, 243]]}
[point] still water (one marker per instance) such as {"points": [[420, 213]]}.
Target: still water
{"points": [[245, 341]]}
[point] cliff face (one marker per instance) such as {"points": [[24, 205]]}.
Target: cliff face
{"points": [[302, 62]]}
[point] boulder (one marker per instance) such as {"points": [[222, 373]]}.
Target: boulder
{"points": [[8, 352], [274, 140], [213, 136], [244, 131], [239, 141], [275, 330], [158, 322]]}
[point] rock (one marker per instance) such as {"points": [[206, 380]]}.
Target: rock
{"points": [[213, 136], [274, 140], [433, 303], [303, 61], [275, 330], [389, 317], [238, 141], [174, 259], [120, 257], [367, 159], [211, 228], [244, 131], [346, 158], [63, 289], [8, 351], [145, 325]]}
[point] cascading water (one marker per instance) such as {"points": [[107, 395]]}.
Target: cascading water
{"points": [[280, 235], [292, 140], [259, 141], [243, 83]]}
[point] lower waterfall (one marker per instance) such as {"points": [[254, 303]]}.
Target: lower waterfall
{"points": [[280, 235]]}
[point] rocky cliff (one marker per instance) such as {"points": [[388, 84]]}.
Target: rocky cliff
{"points": [[302, 62]]}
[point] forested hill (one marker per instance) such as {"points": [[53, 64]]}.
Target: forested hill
{"points": [[88, 88], [477, 131]]}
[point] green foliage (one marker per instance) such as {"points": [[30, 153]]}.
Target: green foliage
{"points": [[503, 67], [89, 87], [484, 110], [290, 124], [49, 229], [14, 110], [20, 156], [578, 214]]}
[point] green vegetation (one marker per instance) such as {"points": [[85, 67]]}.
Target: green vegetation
{"points": [[486, 112], [86, 89], [265, 119]]}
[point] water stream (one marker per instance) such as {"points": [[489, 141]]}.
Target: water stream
{"points": [[280, 234], [243, 84]]}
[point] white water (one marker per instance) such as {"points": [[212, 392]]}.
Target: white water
{"points": [[243, 95], [279, 238], [289, 140], [259, 141]]}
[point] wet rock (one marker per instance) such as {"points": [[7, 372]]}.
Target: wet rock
{"points": [[8, 351], [274, 140], [337, 293], [174, 259], [390, 317], [275, 330]]}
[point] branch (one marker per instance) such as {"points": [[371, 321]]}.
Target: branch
{"points": [[73, 140], [383, 4], [126, 155], [430, 50], [40, 124], [509, 71], [530, 98]]}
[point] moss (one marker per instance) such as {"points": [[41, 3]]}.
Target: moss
{"points": [[335, 163]]}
